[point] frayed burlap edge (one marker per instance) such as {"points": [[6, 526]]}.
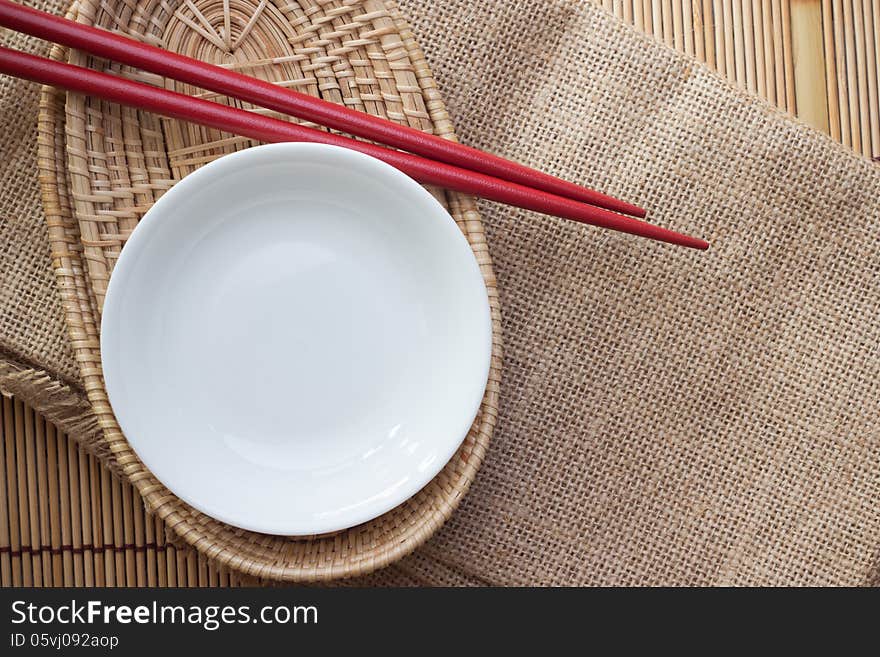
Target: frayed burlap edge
{"points": [[64, 406]]}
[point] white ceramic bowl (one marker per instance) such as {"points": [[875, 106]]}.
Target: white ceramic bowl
{"points": [[296, 338]]}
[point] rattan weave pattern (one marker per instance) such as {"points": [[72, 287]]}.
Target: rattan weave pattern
{"points": [[104, 166]]}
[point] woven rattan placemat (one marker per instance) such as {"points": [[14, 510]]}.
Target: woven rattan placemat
{"points": [[103, 166]]}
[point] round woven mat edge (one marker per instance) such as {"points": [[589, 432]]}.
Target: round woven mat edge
{"points": [[357, 551]]}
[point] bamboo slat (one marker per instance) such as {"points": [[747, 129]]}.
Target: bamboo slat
{"points": [[66, 521], [872, 56], [808, 55]]}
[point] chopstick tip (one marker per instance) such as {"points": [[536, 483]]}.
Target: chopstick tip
{"points": [[628, 208], [690, 242]]}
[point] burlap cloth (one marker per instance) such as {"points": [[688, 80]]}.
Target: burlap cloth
{"points": [[667, 417]]}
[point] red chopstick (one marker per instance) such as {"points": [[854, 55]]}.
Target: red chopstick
{"points": [[123, 50], [264, 128]]}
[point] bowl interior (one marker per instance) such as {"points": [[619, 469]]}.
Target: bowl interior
{"points": [[315, 328]]}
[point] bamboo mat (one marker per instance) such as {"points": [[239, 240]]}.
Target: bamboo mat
{"points": [[65, 520]]}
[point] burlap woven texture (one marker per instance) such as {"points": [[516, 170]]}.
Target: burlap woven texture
{"points": [[31, 320], [667, 417]]}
